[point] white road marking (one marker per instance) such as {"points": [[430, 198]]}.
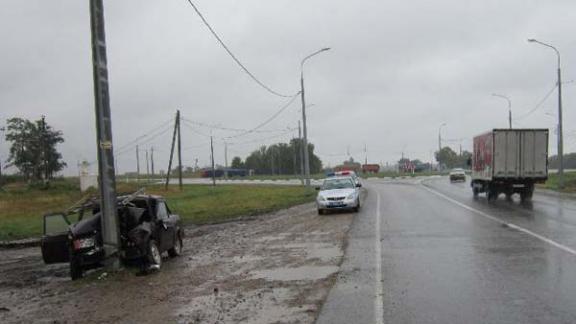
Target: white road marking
{"points": [[378, 301], [495, 219]]}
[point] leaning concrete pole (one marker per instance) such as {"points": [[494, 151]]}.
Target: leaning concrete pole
{"points": [[106, 173]]}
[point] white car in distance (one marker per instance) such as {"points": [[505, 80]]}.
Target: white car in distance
{"points": [[338, 193]]}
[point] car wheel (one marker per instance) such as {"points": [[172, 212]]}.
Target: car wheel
{"points": [[76, 271], [320, 212], [154, 255], [178, 247]]}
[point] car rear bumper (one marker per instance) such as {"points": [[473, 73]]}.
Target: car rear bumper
{"points": [[458, 178]]}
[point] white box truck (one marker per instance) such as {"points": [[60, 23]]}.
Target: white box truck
{"points": [[509, 161]]}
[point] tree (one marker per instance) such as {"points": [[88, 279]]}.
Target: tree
{"points": [[33, 149], [450, 159], [446, 157], [281, 158], [237, 163]]}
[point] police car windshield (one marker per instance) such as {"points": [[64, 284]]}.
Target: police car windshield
{"points": [[331, 184]]}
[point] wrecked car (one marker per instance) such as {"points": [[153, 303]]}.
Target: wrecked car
{"points": [[147, 229]]}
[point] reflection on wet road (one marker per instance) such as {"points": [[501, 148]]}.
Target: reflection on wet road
{"points": [[447, 257]]}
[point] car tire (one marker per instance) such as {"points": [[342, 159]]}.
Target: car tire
{"points": [[320, 212], [76, 271], [154, 256], [176, 250]]}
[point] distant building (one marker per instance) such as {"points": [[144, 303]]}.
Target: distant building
{"points": [[370, 168]]}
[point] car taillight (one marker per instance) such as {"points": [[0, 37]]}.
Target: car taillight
{"points": [[84, 243]]}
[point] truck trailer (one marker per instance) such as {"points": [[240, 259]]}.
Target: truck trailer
{"points": [[509, 161]]}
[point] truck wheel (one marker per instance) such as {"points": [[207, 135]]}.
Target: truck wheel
{"points": [[492, 194], [526, 195], [176, 250], [76, 271], [475, 191]]}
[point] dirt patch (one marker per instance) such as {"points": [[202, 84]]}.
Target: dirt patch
{"points": [[274, 268]]}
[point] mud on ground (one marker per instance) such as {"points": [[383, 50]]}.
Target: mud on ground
{"points": [[275, 268]]}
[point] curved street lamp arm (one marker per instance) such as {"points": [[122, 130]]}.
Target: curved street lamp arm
{"points": [[547, 45]]}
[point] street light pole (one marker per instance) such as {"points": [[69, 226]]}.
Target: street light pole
{"points": [[509, 107], [305, 130], [560, 133]]}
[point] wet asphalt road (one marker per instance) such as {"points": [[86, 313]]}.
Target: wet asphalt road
{"points": [[428, 252]]}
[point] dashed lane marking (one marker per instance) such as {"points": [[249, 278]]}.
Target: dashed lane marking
{"points": [[378, 301], [497, 220]]}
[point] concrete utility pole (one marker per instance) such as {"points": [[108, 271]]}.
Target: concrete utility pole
{"points": [[212, 159], [179, 154], [225, 160], [106, 172], [302, 175], [560, 132], [147, 166], [306, 153], [2, 129], [152, 160], [137, 163], [509, 107]]}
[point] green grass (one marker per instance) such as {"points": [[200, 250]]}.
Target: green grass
{"points": [[569, 182], [21, 207]]}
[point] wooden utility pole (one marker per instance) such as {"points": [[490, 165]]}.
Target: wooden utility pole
{"points": [[172, 148], [106, 172], [179, 153]]}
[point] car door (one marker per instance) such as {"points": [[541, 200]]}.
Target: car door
{"points": [[54, 243], [167, 227]]}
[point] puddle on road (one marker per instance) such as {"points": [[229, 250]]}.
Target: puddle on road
{"points": [[292, 274]]}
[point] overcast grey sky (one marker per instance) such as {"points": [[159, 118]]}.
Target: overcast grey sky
{"points": [[396, 71]]}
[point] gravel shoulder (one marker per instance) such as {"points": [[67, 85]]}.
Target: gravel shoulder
{"points": [[275, 268]]}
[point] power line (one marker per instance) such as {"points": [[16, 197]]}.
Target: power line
{"points": [[267, 120], [538, 105], [229, 128], [252, 76], [260, 139], [186, 123], [145, 135], [148, 140]]}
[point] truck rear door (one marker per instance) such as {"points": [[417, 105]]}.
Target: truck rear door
{"points": [[506, 154], [534, 149]]}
